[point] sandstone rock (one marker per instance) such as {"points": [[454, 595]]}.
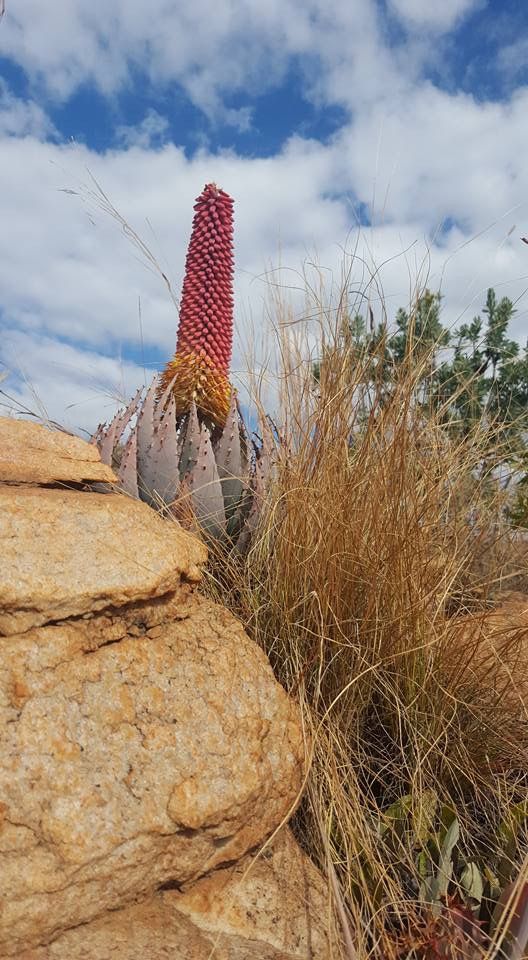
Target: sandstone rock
{"points": [[277, 909], [135, 748], [143, 737], [66, 553], [31, 454]]}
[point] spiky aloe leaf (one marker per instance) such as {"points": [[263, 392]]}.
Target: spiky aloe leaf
{"points": [[145, 437], [191, 442], [262, 472], [128, 467], [110, 436], [162, 404], [108, 441], [264, 457], [164, 455], [97, 438], [232, 460], [129, 412], [206, 490]]}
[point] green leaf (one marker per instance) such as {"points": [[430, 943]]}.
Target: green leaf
{"points": [[472, 882], [444, 873], [396, 814], [423, 817]]}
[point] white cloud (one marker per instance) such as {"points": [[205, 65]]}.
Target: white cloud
{"points": [[151, 132], [22, 118], [55, 380], [420, 156], [440, 155], [434, 16], [68, 272], [211, 50]]}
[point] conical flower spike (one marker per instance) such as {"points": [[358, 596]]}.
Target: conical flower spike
{"points": [[200, 367]]}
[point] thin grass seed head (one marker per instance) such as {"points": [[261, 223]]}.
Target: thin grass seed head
{"points": [[200, 366]]}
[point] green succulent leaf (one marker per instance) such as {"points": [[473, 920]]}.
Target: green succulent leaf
{"points": [[472, 882]]}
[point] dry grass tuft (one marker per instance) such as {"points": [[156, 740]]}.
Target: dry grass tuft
{"points": [[369, 586]]}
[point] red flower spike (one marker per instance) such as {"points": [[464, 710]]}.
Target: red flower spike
{"points": [[200, 365]]}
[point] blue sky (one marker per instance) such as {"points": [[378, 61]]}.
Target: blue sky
{"points": [[392, 128]]}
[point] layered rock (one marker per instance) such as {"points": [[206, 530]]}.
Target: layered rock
{"points": [[29, 454], [272, 908], [143, 738], [67, 554]]}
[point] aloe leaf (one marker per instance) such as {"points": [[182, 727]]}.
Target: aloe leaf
{"points": [[97, 437], [165, 454], [128, 468], [396, 814], [191, 442], [232, 460], [264, 457], [509, 834], [108, 441], [518, 930], [161, 406], [107, 437], [515, 901], [245, 536], [427, 888], [145, 437], [127, 414], [206, 490]]}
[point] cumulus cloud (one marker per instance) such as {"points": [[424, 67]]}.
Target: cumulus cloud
{"points": [[71, 277], [22, 118], [58, 381], [209, 50], [442, 174], [434, 16], [151, 132]]}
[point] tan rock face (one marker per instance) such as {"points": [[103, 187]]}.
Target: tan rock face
{"points": [[275, 908], [31, 454], [143, 738], [67, 553], [133, 753]]}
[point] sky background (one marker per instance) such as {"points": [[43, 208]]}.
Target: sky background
{"points": [[393, 129]]}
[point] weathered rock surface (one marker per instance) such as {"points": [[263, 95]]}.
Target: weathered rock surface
{"points": [[31, 454], [143, 737], [66, 553], [275, 910]]}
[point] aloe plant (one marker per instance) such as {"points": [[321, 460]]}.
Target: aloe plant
{"points": [[189, 447], [174, 464]]}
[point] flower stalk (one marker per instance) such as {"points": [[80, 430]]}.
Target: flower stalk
{"points": [[199, 370]]}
